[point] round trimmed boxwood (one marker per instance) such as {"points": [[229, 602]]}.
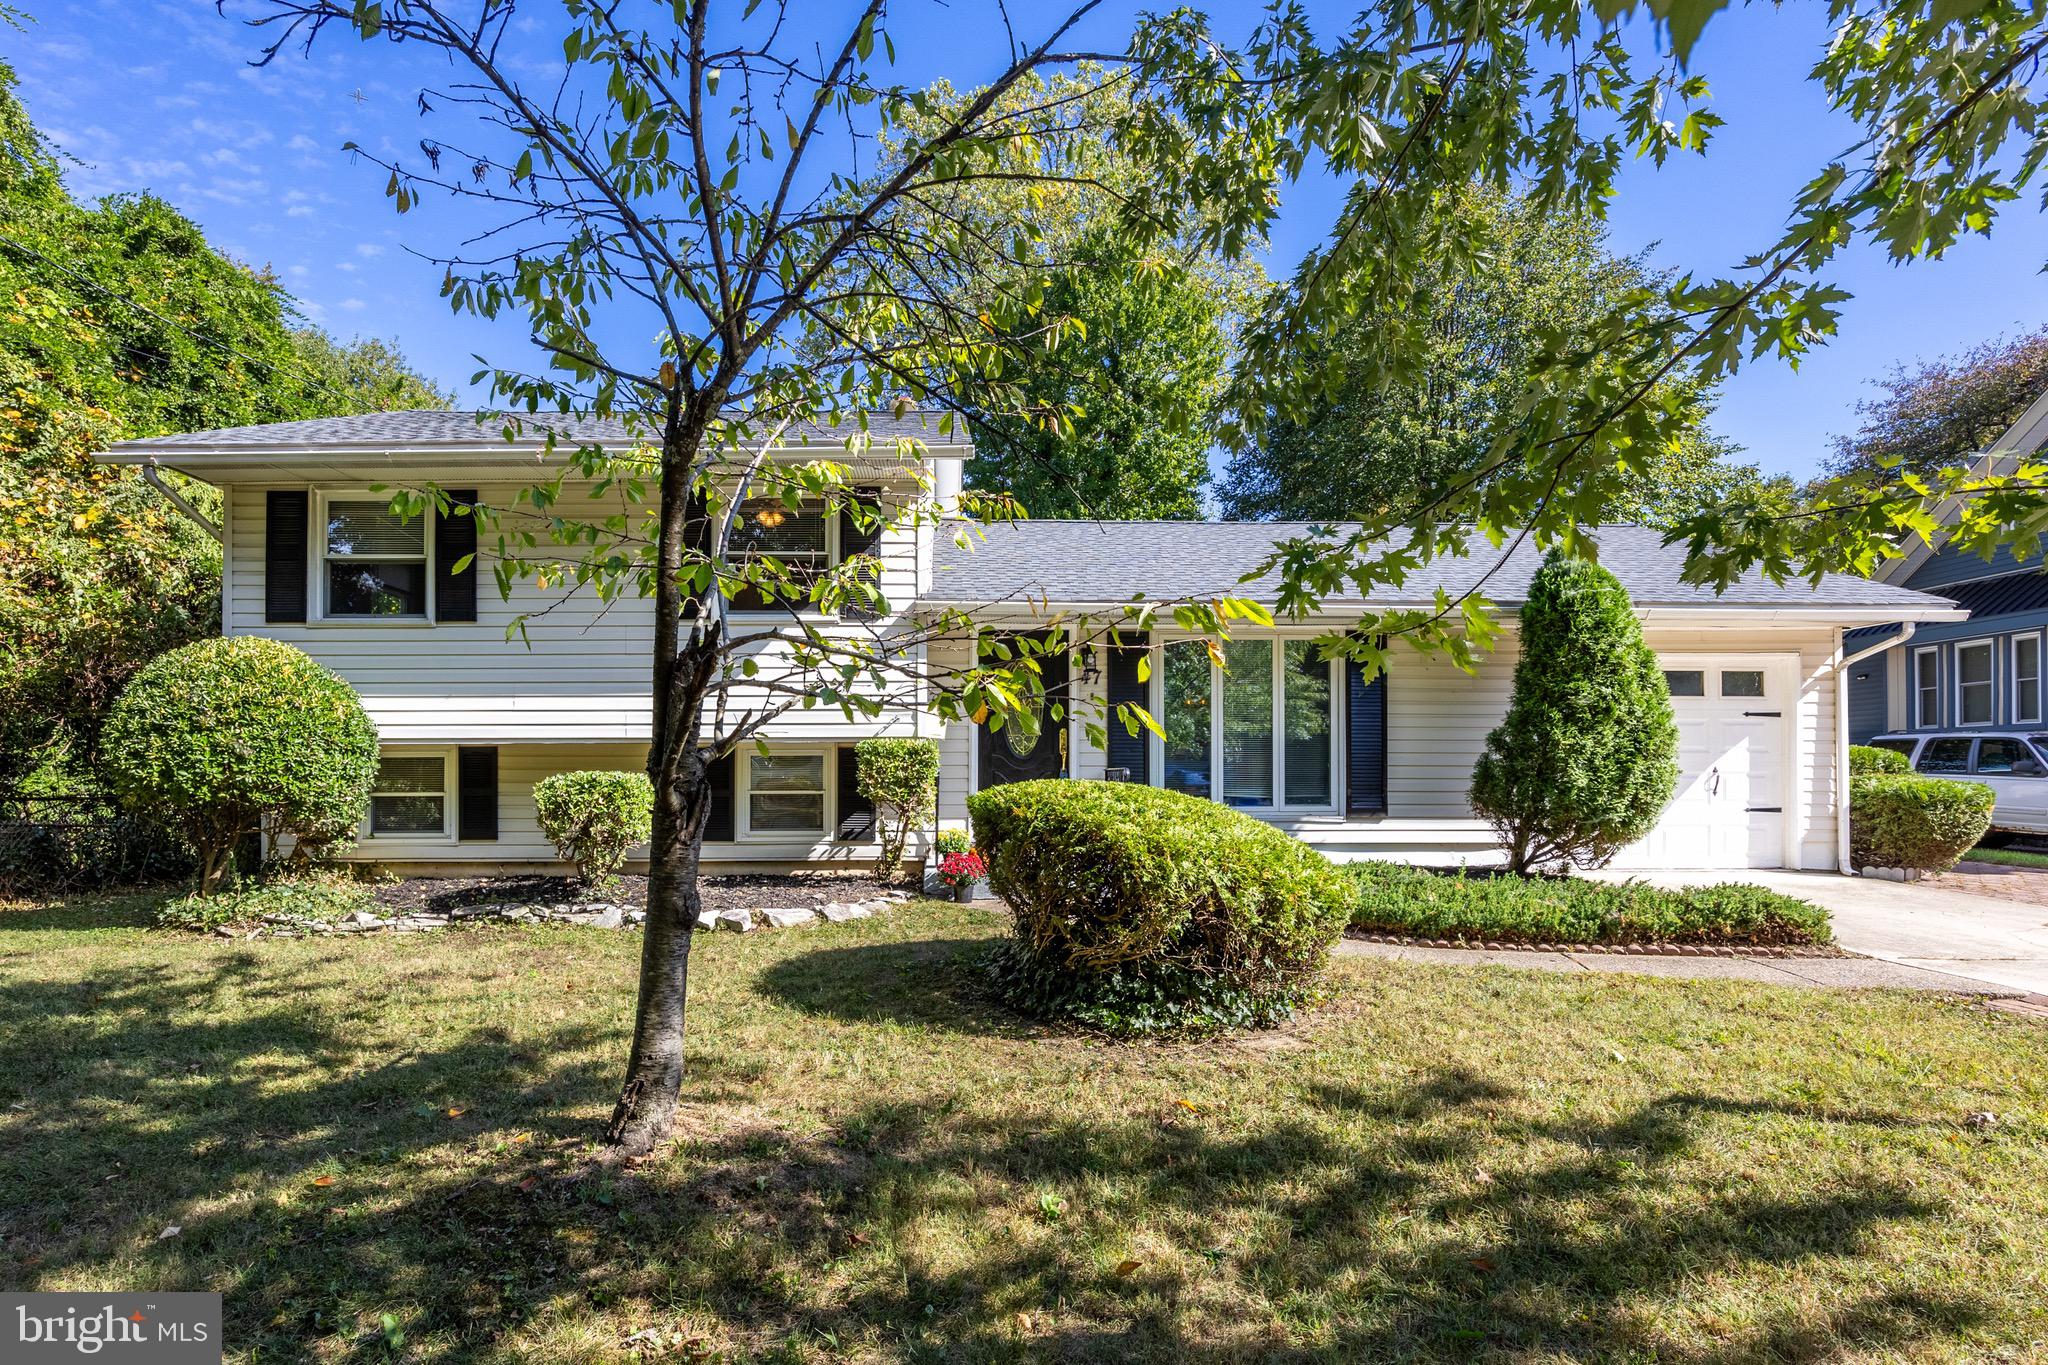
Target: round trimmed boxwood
{"points": [[218, 737], [1919, 823], [1140, 910], [594, 818], [1868, 758]]}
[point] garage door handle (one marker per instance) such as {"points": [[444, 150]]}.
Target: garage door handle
{"points": [[1765, 810], [1763, 713]]}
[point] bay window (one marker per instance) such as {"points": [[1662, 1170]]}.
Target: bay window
{"points": [[1259, 732]]}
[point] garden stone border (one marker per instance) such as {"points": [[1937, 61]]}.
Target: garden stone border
{"points": [[1608, 949], [591, 914]]}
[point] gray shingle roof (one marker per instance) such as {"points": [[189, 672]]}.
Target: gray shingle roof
{"points": [[1114, 561], [431, 427]]}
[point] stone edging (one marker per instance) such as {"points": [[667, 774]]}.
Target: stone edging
{"points": [[1608, 949], [593, 914]]}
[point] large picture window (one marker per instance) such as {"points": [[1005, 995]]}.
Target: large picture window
{"points": [[1974, 699], [1258, 733], [410, 795], [375, 562]]}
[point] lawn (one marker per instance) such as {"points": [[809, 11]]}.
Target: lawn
{"points": [[1439, 1165], [2011, 857]]}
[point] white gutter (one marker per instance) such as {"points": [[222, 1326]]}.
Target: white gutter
{"points": [[1906, 629], [155, 479]]}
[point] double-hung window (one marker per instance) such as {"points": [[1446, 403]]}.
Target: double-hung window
{"points": [[374, 563], [800, 538], [1974, 688], [410, 796], [1258, 733], [786, 793], [2026, 680], [1926, 688]]}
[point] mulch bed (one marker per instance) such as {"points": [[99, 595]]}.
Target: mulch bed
{"points": [[739, 892]]}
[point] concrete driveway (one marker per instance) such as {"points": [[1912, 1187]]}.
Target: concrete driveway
{"points": [[1980, 938]]}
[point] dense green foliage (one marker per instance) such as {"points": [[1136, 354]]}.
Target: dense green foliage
{"points": [[120, 321], [219, 737], [1368, 446], [1868, 758], [1914, 822], [1942, 413], [1587, 755], [595, 818], [1139, 908], [1479, 908], [901, 778]]}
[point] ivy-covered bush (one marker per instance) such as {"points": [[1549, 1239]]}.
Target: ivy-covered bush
{"points": [[1480, 907], [1587, 755], [222, 736], [594, 818], [901, 778], [1140, 910], [1868, 758], [1918, 823]]}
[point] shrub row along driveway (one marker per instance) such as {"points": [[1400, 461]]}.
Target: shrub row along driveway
{"points": [[1985, 940]]}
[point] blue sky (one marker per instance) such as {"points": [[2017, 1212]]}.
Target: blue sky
{"points": [[158, 94]]}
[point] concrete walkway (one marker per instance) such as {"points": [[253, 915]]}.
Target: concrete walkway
{"points": [[1907, 935]]}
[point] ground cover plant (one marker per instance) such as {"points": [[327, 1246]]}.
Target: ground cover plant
{"points": [[875, 1163], [1483, 907]]}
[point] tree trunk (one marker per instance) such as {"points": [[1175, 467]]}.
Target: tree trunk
{"points": [[646, 1111]]}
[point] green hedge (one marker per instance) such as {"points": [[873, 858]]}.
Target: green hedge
{"points": [[1924, 823], [1868, 758], [1140, 910], [1393, 899]]}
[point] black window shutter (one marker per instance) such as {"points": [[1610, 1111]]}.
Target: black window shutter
{"points": [[1133, 753], [854, 540], [1365, 742], [476, 793], [856, 812], [285, 514], [718, 824], [455, 539]]}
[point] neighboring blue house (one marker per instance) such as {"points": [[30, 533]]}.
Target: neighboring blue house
{"points": [[1986, 671]]}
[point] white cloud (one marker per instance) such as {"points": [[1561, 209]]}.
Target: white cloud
{"points": [[301, 143], [226, 156], [369, 249], [176, 102], [299, 211], [347, 267], [354, 305], [232, 132], [297, 272]]}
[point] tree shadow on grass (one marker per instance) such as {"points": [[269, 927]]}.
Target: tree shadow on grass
{"points": [[928, 983], [216, 1098]]}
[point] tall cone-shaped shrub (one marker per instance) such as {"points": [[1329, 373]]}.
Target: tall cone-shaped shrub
{"points": [[1587, 755]]}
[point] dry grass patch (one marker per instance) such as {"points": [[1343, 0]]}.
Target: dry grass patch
{"points": [[876, 1165]]}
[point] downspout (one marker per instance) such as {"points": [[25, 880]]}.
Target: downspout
{"points": [[1906, 629], [155, 479]]}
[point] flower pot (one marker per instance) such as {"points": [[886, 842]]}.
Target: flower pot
{"points": [[963, 891]]}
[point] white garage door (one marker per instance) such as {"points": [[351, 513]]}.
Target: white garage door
{"points": [[1733, 722]]}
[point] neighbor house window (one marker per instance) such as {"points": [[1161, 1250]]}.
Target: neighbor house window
{"points": [[1259, 732], [786, 793], [2026, 679], [411, 795], [375, 561], [1926, 687], [799, 537], [1973, 684]]}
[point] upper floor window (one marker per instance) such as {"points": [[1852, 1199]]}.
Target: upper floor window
{"points": [[2026, 679], [1926, 688], [375, 562], [800, 537], [1973, 684]]}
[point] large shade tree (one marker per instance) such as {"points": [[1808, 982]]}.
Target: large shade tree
{"points": [[697, 168], [1942, 413]]}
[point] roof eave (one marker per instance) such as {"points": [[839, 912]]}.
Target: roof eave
{"points": [[1833, 614]]}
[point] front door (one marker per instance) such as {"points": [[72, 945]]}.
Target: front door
{"points": [[1022, 752]]}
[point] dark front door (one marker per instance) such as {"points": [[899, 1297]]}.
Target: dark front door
{"points": [[1019, 753]]}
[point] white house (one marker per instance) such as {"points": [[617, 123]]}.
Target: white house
{"points": [[470, 720]]}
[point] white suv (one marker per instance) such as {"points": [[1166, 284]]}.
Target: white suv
{"points": [[2013, 763]]}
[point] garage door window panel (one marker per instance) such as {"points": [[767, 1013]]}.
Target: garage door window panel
{"points": [[1742, 682], [1686, 682]]}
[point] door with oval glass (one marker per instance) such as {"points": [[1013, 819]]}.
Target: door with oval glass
{"points": [[1036, 746]]}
